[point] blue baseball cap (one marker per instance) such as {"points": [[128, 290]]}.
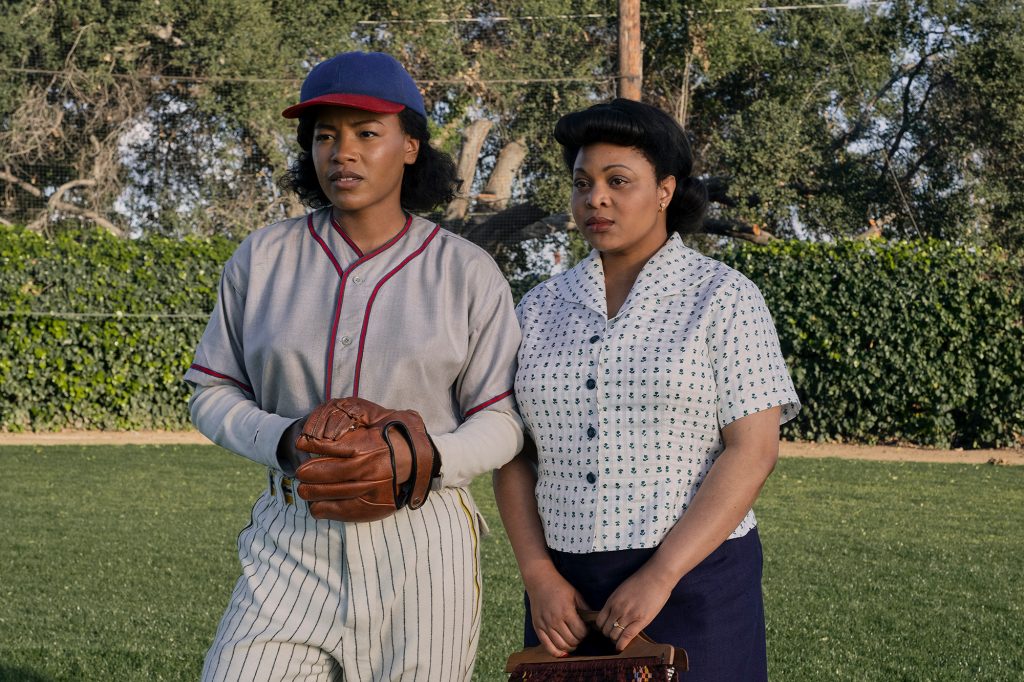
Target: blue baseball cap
{"points": [[372, 81]]}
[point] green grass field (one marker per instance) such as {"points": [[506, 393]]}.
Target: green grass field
{"points": [[116, 563]]}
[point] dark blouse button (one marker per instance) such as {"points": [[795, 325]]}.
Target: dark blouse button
{"points": [[595, 338], [591, 478], [591, 432], [591, 383]]}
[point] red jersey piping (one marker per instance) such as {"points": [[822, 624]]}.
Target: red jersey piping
{"points": [[206, 370]]}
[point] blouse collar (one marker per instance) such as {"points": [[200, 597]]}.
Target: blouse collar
{"points": [[673, 269]]}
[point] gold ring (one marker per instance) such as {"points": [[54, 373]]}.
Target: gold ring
{"points": [[616, 625]]}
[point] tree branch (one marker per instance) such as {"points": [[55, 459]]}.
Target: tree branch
{"points": [[718, 191], [865, 118], [526, 221], [508, 226], [921, 160], [89, 214], [906, 119], [905, 123], [9, 177], [737, 229], [56, 203]]}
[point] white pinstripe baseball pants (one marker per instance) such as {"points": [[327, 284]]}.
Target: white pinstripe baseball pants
{"points": [[397, 599]]}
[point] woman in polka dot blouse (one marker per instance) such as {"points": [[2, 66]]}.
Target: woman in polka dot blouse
{"points": [[651, 379]]}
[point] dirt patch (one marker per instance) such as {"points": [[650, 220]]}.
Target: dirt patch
{"points": [[883, 453], [106, 438], [887, 453]]}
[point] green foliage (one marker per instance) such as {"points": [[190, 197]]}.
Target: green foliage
{"points": [[196, 147], [117, 360], [919, 342], [520, 74], [817, 120], [100, 585], [907, 112]]}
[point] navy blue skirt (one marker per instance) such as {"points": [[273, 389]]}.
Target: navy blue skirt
{"points": [[716, 612]]}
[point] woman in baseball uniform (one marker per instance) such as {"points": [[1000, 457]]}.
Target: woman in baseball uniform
{"points": [[359, 299], [652, 382]]}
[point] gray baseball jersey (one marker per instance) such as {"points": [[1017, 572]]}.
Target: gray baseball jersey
{"points": [[424, 322]]}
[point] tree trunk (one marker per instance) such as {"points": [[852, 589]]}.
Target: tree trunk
{"points": [[472, 141], [499, 186]]}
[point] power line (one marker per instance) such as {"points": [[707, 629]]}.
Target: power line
{"points": [[471, 81], [451, 20], [154, 76], [497, 19], [528, 18], [296, 80], [481, 20], [791, 8]]}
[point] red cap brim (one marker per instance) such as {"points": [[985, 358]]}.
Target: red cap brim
{"points": [[364, 102]]}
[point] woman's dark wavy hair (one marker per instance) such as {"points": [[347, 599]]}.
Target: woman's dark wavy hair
{"points": [[658, 137], [430, 181]]}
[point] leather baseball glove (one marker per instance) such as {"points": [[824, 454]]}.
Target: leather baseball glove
{"points": [[361, 469]]}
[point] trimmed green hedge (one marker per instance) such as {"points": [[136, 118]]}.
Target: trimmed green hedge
{"points": [[917, 342], [137, 309]]}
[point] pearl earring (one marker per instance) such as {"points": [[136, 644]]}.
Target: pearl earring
{"points": [[661, 207]]}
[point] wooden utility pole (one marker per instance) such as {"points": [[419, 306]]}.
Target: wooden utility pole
{"points": [[631, 50]]}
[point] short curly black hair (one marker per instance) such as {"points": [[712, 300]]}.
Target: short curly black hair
{"points": [[429, 181], [658, 137]]}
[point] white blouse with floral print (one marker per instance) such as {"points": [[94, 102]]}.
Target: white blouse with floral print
{"points": [[628, 412]]}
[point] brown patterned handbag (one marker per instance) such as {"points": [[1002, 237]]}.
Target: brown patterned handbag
{"points": [[642, 661]]}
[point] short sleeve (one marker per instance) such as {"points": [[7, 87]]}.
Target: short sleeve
{"points": [[491, 432], [223, 405], [219, 358], [750, 371], [486, 380]]}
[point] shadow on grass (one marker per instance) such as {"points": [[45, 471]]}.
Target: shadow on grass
{"points": [[10, 674]]}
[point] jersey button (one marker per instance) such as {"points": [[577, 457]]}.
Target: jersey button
{"points": [[345, 340], [591, 432], [357, 279], [591, 383], [591, 477], [595, 338]]}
